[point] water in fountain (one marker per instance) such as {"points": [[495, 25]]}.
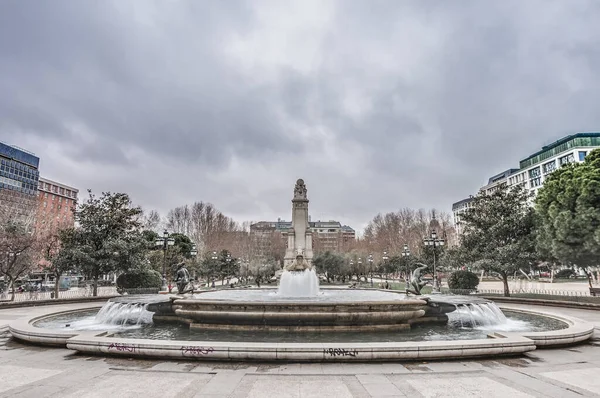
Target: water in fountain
{"points": [[298, 284], [477, 314], [115, 313], [114, 316]]}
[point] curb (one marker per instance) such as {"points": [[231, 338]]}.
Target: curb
{"points": [[20, 304], [547, 303]]}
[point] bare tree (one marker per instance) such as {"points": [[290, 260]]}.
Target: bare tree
{"points": [[206, 226], [152, 221], [391, 231], [17, 235]]}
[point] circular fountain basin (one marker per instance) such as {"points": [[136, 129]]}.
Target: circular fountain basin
{"points": [[330, 310], [495, 340]]}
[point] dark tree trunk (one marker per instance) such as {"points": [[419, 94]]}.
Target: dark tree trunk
{"points": [[505, 282], [11, 284], [56, 286], [95, 284]]}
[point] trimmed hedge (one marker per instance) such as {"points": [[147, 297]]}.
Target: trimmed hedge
{"points": [[463, 280], [144, 279]]}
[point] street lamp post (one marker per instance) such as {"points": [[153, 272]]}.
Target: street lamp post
{"points": [[194, 253], [385, 258], [165, 242], [227, 268], [434, 242], [214, 257], [359, 262], [370, 260], [406, 255]]}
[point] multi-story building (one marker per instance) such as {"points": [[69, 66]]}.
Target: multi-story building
{"points": [[327, 235], [458, 209], [331, 235], [55, 203], [18, 180], [534, 169]]}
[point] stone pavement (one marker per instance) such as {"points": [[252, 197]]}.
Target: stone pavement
{"points": [[30, 371]]}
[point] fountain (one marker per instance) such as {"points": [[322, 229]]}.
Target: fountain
{"points": [[355, 324], [298, 284]]}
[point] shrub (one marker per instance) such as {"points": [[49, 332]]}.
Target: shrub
{"points": [[143, 279], [565, 273], [463, 280]]}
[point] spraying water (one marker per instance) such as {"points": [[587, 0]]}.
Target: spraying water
{"points": [[299, 284], [477, 314], [114, 313], [115, 316]]}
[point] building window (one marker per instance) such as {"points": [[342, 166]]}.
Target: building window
{"points": [[549, 167], [566, 159], [582, 155], [535, 182], [535, 172]]}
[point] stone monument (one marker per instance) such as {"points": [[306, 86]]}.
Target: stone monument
{"points": [[299, 252]]}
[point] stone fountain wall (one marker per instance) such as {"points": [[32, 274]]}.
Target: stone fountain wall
{"points": [[299, 316]]}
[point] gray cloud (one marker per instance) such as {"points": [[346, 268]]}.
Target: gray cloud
{"points": [[377, 105]]}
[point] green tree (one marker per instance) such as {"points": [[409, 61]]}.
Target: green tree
{"points": [[63, 257], [331, 264], [109, 238], [498, 232], [568, 213], [184, 243]]}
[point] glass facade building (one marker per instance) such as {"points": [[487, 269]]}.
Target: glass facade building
{"points": [[18, 170], [572, 141]]}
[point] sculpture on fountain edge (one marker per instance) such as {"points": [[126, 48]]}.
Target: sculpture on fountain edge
{"points": [[415, 281], [183, 280]]}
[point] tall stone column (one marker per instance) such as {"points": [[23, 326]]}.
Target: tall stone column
{"points": [[299, 236]]}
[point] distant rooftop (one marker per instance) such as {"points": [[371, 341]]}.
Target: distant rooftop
{"points": [[570, 141], [502, 176], [19, 154], [459, 204]]}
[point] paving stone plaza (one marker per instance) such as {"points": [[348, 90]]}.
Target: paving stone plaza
{"points": [[32, 371]]}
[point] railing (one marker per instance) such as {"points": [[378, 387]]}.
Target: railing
{"points": [[103, 291], [543, 292]]}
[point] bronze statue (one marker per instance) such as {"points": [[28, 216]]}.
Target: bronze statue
{"points": [[300, 264], [415, 282], [183, 280]]}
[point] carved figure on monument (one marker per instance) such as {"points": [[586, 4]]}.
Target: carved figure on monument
{"points": [[183, 280], [300, 264], [300, 190], [415, 282]]}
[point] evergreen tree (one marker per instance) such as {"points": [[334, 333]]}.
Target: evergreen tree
{"points": [[568, 213], [109, 236], [498, 233]]}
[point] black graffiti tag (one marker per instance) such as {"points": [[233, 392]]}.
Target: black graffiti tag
{"points": [[340, 352], [197, 351], [121, 347]]}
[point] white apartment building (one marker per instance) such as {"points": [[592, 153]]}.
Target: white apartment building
{"points": [[534, 169]]}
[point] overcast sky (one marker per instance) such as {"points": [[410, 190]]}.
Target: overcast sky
{"points": [[377, 105]]}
